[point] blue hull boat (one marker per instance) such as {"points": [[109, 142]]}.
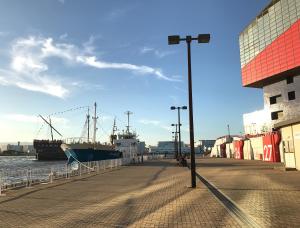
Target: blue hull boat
{"points": [[89, 152]]}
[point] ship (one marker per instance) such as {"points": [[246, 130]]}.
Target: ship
{"points": [[49, 150], [84, 150], [127, 142]]}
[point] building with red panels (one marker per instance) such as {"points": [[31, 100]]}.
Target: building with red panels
{"points": [[270, 59]]}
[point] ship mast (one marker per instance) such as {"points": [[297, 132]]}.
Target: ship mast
{"points": [[113, 136], [128, 113], [88, 124], [50, 125], [95, 123], [51, 128]]}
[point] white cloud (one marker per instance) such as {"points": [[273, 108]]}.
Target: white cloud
{"points": [[92, 61], [155, 123], [4, 34], [51, 89], [146, 50], [27, 64], [157, 53], [152, 122], [106, 117], [29, 69], [116, 13], [63, 36], [86, 85], [3, 81]]}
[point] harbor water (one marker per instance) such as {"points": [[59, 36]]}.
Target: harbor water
{"points": [[19, 168]]}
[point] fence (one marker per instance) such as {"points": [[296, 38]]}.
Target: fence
{"points": [[10, 179]]}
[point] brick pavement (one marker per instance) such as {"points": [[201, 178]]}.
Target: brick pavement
{"points": [[263, 190], [151, 195]]}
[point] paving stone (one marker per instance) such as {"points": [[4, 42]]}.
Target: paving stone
{"points": [[269, 194], [151, 195]]}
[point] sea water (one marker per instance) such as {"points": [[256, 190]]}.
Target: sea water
{"points": [[21, 168]]}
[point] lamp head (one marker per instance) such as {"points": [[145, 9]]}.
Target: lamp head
{"points": [[203, 38], [173, 107], [183, 107], [175, 39]]}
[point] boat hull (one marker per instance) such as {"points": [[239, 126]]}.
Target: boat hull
{"points": [[47, 150], [90, 154]]}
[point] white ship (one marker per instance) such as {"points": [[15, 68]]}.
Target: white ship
{"points": [[127, 142]]}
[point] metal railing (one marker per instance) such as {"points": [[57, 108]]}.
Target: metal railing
{"points": [[10, 179]]}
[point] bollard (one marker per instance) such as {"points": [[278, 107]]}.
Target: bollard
{"points": [[1, 194], [28, 184], [67, 176], [79, 169], [51, 176]]}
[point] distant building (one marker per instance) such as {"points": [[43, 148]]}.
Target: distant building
{"points": [[141, 148], [16, 149], [168, 147], [28, 149], [206, 145], [257, 122]]}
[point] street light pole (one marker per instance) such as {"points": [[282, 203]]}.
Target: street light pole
{"points": [[202, 38], [193, 165], [179, 132], [175, 141], [179, 124]]}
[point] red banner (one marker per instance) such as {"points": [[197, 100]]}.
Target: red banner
{"points": [[223, 150], [271, 147], [238, 149]]}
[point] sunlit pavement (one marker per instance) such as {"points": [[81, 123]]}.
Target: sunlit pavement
{"points": [[151, 195], [156, 195], [263, 190]]}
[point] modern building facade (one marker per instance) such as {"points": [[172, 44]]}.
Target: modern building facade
{"points": [[168, 147], [206, 145], [270, 60]]}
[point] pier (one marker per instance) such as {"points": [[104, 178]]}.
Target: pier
{"points": [[157, 194]]}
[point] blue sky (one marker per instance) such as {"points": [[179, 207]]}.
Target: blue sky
{"points": [[62, 54]]}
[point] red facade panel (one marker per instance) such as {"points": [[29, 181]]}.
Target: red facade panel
{"points": [[281, 55], [223, 150], [271, 147], [238, 149]]}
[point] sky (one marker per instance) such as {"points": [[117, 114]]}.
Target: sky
{"points": [[58, 57]]}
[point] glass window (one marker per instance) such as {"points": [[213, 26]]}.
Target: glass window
{"points": [[276, 115], [291, 95], [275, 99]]}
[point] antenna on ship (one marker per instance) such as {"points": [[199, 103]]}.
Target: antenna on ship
{"points": [[95, 123], [128, 113], [113, 136]]}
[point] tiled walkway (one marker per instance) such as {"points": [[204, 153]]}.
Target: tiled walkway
{"points": [[151, 195], [263, 190]]}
